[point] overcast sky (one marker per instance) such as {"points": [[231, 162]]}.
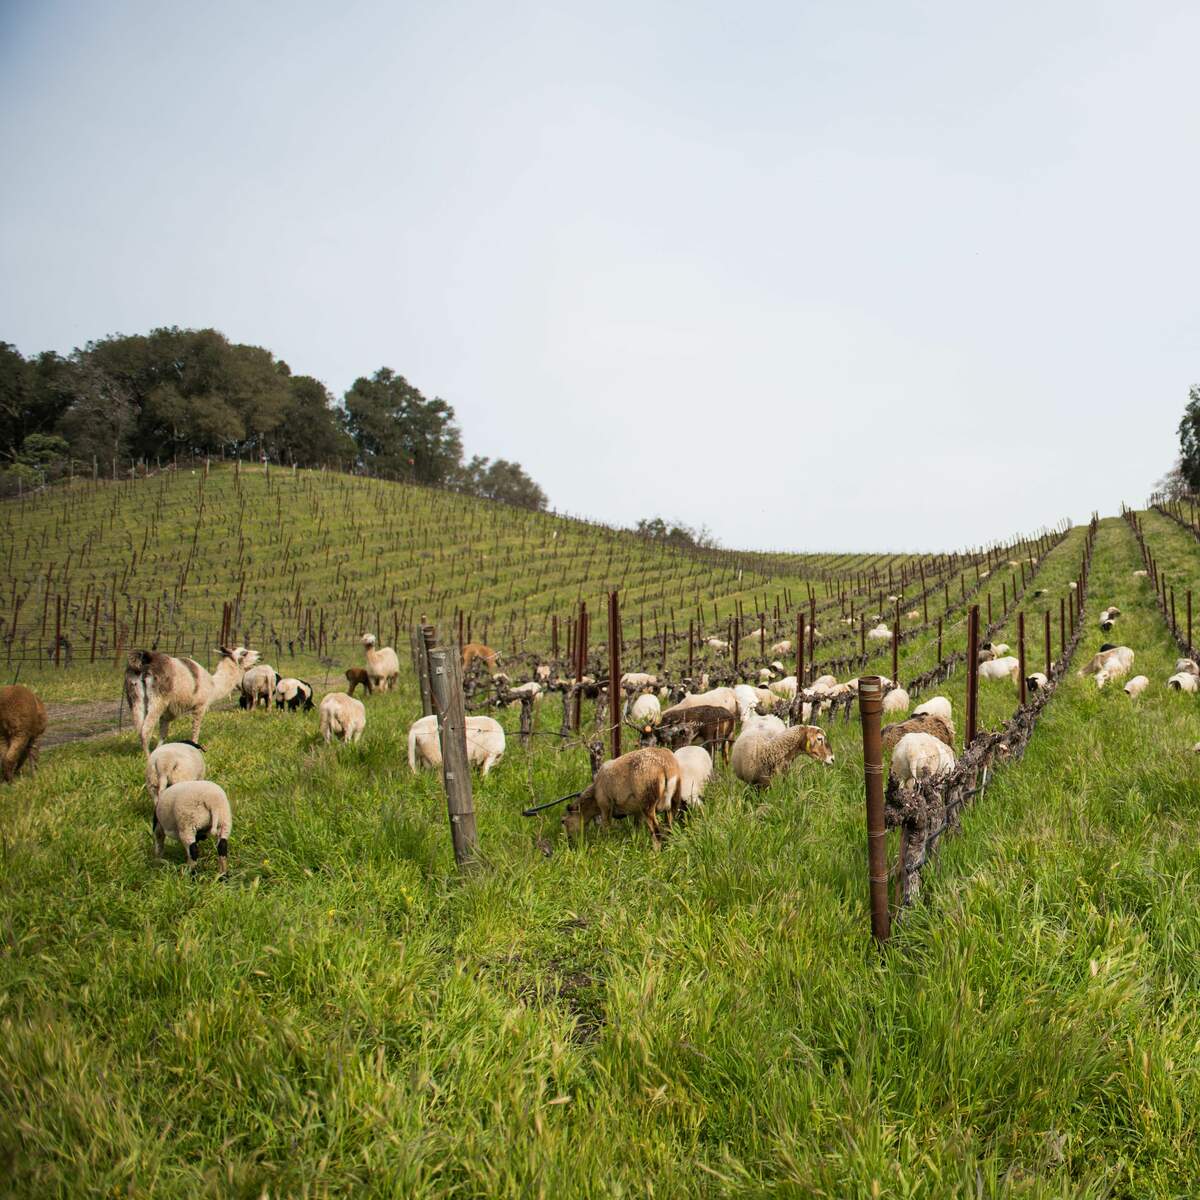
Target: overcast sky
{"points": [[885, 275]]}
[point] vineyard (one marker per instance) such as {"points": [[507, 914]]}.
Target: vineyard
{"points": [[347, 1013]]}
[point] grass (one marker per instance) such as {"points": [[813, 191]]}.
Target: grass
{"points": [[346, 1015]]}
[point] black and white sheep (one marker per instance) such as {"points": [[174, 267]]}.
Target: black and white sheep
{"points": [[189, 812]]}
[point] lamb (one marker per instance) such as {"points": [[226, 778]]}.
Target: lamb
{"points": [[1140, 574], [643, 712], [342, 716], [913, 615], [356, 676], [1183, 682], [160, 688], [711, 724], [1136, 686], [781, 648], [937, 706], [190, 811], [716, 644], [485, 654], [1037, 682], [1000, 668], [171, 763], [485, 743], [22, 721], [258, 683], [759, 757], [542, 673], [919, 757], [930, 723], [1187, 665], [638, 679], [896, 700], [646, 781], [383, 667], [695, 769], [295, 693], [879, 633]]}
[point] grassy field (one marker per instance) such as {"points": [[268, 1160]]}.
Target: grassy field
{"points": [[346, 1015]]}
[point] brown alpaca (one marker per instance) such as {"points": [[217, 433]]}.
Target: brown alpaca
{"points": [[22, 722], [477, 650], [643, 781], [356, 676]]}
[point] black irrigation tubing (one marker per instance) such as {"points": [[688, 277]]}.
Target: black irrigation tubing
{"points": [[910, 811]]}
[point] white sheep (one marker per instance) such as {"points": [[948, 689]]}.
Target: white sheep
{"points": [[190, 811], [896, 700], [879, 633], [1000, 668], [383, 667], [1137, 685], [918, 757], [769, 724], [342, 716], [720, 697], [638, 679], [1188, 665], [532, 688], [781, 648], [644, 712], [937, 706], [1140, 574], [823, 685], [755, 635], [160, 688], [173, 762], [1183, 682], [716, 644], [785, 687], [485, 743], [748, 700], [258, 686], [695, 768], [765, 675], [913, 615], [291, 693]]}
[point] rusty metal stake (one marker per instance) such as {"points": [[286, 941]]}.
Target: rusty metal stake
{"points": [[1021, 656], [614, 672], [972, 676], [870, 706], [1049, 659]]}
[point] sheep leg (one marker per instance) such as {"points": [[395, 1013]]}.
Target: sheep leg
{"points": [[652, 825], [160, 838], [193, 855], [197, 717], [12, 757], [222, 857]]}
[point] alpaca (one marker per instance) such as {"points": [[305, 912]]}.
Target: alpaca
{"points": [[383, 667]]}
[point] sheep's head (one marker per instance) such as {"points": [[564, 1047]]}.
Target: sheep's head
{"points": [[579, 812], [1102, 677], [817, 746]]}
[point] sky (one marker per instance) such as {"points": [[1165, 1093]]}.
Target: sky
{"points": [[817, 276]]}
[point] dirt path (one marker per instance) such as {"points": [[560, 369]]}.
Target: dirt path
{"points": [[72, 722]]}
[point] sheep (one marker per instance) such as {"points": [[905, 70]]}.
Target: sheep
{"points": [[781, 648], [896, 700], [695, 769], [709, 724], [171, 763], [759, 757], [22, 721], [1109, 656], [485, 743], [356, 676], [293, 694], [258, 683], [755, 635], [473, 651], [937, 706], [542, 673], [913, 615], [1183, 682], [823, 684], [638, 679], [1000, 668], [721, 697], [1187, 665], [160, 688], [918, 757], [930, 723], [190, 811], [1136, 686], [383, 667], [643, 712], [998, 649], [532, 688], [1140, 574], [879, 633], [1037, 682], [985, 654], [646, 781], [716, 644], [765, 675], [784, 688], [752, 700], [765, 724], [343, 716]]}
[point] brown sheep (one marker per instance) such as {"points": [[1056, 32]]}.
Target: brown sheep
{"points": [[486, 655], [704, 723], [356, 676], [22, 722], [930, 723], [643, 781]]}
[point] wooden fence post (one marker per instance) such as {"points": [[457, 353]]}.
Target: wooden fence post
{"points": [[614, 672], [972, 676], [445, 678], [870, 706], [421, 666]]}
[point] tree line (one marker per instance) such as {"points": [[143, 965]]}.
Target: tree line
{"points": [[175, 393]]}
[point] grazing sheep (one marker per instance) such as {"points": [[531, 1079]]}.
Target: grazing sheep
{"points": [[918, 757], [913, 615], [485, 654], [542, 673], [258, 683], [638, 679], [721, 697], [643, 712], [784, 688], [356, 676], [1000, 668], [160, 688], [716, 644], [485, 743], [780, 648], [22, 721], [937, 706], [1187, 665], [1140, 574], [823, 684], [930, 723], [646, 781], [695, 768], [765, 675], [1110, 658], [190, 811], [1108, 617], [748, 700], [985, 654], [1137, 685], [1183, 682], [1037, 681], [383, 667], [342, 716], [759, 757], [755, 635], [896, 700], [708, 723], [879, 633], [293, 693], [998, 649], [173, 762], [765, 724]]}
